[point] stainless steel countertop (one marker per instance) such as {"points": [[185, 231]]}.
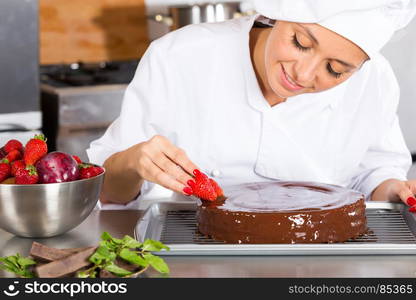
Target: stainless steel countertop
{"points": [[121, 222]]}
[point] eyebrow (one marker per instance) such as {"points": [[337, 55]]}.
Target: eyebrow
{"points": [[345, 63], [310, 34], [316, 41]]}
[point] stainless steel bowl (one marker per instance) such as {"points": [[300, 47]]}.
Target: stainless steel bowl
{"points": [[45, 210]]}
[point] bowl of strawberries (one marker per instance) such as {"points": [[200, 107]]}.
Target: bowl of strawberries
{"points": [[45, 194]]}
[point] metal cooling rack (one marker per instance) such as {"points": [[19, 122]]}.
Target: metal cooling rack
{"points": [[391, 231]]}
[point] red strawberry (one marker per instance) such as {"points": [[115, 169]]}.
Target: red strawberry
{"points": [[78, 160], [35, 149], [202, 187], [13, 155], [27, 175], [88, 171], [4, 169], [217, 188], [13, 145], [16, 165]]}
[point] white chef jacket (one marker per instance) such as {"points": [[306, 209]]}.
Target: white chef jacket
{"points": [[197, 87]]}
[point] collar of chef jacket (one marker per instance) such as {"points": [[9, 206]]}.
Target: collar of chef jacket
{"points": [[288, 160]]}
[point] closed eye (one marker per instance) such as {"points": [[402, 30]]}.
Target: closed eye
{"points": [[332, 72], [298, 45]]}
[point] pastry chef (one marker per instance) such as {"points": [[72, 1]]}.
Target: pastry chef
{"points": [[297, 92]]}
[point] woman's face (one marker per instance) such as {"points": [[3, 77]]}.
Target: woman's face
{"points": [[308, 58]]}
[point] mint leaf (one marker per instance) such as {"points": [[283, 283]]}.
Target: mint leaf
{"points": [[13, 259], [102, 255], [153, 246], [27, 274], [129, 242], [104, 252], [105, 236], [133, 258], [6, 261], [25, 262], [17, 264], [117, 270], [89, 273], [109, 245], [8, 266], [81, 274], [156, 262], [117, 241], [96, 258], [110, 248]]}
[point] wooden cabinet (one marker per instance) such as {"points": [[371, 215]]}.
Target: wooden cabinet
{"points": [[92, 30]]}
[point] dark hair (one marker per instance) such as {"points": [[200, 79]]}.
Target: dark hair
{"points": [[260, 25]]}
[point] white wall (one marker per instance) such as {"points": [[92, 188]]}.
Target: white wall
{"points": [[401, 52]]}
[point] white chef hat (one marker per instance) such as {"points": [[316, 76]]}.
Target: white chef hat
{"points": [[368, 23]]}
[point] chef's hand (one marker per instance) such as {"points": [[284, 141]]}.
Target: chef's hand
{"points": [[394, 189], [159, 161]]}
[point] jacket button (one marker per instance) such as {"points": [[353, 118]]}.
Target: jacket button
{"points": [[215, 173]]}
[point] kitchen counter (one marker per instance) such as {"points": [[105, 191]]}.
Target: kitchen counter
{"points": [[121, 222]]}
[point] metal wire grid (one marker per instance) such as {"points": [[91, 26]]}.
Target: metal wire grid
{"points": [[385, 226]]}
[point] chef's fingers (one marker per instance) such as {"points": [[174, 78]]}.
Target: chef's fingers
{"points": [[177, 155], [411, 200], [405, 193], [412, 185], [153, 173], [174, 170]]}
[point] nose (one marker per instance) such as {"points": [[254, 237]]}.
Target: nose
{"points": [[305, 71]]}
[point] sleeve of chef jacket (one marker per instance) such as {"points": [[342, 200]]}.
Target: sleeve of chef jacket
{"points": [[388, 156], [144, 113]]}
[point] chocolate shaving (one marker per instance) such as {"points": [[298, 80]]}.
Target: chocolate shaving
{"points": [[48, 254], [66, 265]]}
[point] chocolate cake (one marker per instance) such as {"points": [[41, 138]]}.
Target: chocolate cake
{"points": [[283, 212]]}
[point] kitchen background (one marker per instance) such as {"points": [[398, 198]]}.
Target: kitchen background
{"points": [[88, 51]]}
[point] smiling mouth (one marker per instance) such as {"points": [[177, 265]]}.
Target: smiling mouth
{"points": [[288, 82]]}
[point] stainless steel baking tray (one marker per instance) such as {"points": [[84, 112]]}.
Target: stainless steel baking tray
{"points": [[392, 231]]}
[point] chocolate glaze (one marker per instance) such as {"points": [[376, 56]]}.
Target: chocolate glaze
{"points": [[283, 212]]}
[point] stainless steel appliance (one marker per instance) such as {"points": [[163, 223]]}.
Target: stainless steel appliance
{"points": [[20, 115], [79, 101], [182, 15]]}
